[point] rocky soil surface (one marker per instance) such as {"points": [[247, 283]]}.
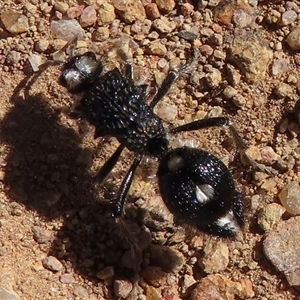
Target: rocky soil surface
{"points": [[57, 239]]}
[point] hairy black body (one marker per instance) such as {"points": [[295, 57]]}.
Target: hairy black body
{"points": [[124, 114], [195, 185]]}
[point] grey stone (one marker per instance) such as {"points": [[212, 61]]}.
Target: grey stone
{"points": [[282, 248], [52, 263], [7, 294]]}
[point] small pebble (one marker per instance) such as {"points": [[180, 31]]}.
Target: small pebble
{"points": [[41, 235], [106, 273], [75, 11], [186, 9], [213, 78], [268, 155], [243, 17], [283, 90], [197, 242], [251, 55], [167, 112], [284, 125], [130, 10], [165, 6], [81, 292], [280, 66], [216, 111], [269, 216], [282, 248], [14, 22], [289, 197], [61, 6], [293, 39], [122, 288], [152, 11], [239, 11], [31, 8], [229, 92], [163, 25], [101, 34], [217, 286], [206, 50], [166, 257], [239, 100], [288, 17], [41, 45], [35, 61], [187, 35], [66, 30], [187, 282], [152, 293], [155, 276], [273, 17], [216, 257], [88, 16], [67, 278], [12, 58], [52, 263], [156, 48], [219, 55], [16, 209], [6, 294], [106, 14], [253, 3]]}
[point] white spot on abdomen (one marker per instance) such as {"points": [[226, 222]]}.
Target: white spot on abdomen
{"points": [[204, 193], [228, 221]]}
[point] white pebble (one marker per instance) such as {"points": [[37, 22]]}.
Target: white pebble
{"points": [[35, 61], [288, 17], [289, 197], [66, 30], [167, 112]]}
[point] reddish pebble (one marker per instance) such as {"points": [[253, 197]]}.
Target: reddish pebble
{"points": [[217, 28], [268, 155], [67, 278], [146, 2], [122, 288], [206, 50], [41, 235], [186, 9], [52, 263], [152, 11], [75, 11], [88, 16]]}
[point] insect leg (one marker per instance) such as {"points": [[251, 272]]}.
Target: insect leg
{"points": [[124, 188], [171, 78], [164, 88], [109, 165], [226, 123], [128, 70], [202, 124]]}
